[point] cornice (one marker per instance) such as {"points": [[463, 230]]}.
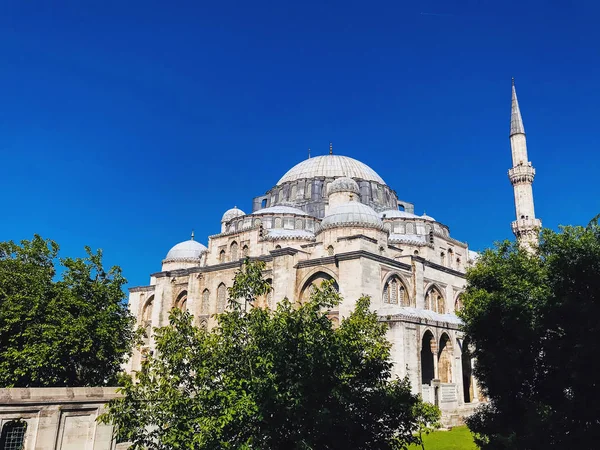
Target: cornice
{"points": [[141, 289], [439, 267], [419, 321], [357, 236]]}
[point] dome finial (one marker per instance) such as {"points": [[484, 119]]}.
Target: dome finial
{"points": [[192, 238], [330, 148], [308, 152]]}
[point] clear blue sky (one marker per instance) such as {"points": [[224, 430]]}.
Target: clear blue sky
{"points": [[123, 125]]}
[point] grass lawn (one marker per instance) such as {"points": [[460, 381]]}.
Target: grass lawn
{"points": [[458, 438]]}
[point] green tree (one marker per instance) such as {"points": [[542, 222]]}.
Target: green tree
{"points": [[70, 328], [533, 320], [262, 379]]}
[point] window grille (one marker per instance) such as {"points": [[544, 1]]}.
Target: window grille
{"points": [[13, 435]]}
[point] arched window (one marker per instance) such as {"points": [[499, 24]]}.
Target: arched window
{"points": [[278, 222], [269, 298], [221, 298], [434, 301], [400, 207], [416, 252], [222, 256], [299, 224], [277, 247], [450, 257], [205, 305], [458, 263], [147, 310], [204, 324], [458, 304], [234, 251], [181, 302], [257, 222], [13, 435], [330, 250], [146, 319], [309, 191], [293, 193], [245, 251], [394, 292], [281, 196], [263, 203], [442, 258], [313, 281]]}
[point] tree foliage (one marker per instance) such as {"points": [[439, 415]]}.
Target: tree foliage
{"points": [[533, 321], [263, 379], [69, 328]]}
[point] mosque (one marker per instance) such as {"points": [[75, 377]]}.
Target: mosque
{"points": [[334, 218]]}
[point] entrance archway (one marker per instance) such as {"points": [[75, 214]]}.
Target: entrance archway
{"points": [[467, 373], [427, 365], [445, 359]]}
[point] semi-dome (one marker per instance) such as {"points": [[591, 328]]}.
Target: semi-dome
{"points": [[332, 166], [343, 184], [352, 214], [232, 214], [186, 250]]}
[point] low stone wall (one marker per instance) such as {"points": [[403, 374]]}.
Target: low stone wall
{"points": [[58, 418]]}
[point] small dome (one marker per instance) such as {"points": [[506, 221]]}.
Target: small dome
{"points": [[232, 214], [352, 214], [395, 213], [343, 184], [186, 250]]}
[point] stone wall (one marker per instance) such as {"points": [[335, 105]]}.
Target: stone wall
{"points": [[59, 418]]}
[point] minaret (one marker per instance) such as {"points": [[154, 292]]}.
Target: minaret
{"points": [[526, 227]]}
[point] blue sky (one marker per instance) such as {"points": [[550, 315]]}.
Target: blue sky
{"points": [[123, 125]]}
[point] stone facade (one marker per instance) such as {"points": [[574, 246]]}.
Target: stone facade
{"points": [[56, 418], [333, 217], [366, 240]]}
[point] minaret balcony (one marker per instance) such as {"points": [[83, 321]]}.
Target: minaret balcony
{"points": [[522, 226], [521, 174]]}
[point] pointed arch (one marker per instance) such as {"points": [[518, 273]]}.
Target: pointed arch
{"points": [[395, 291], [445, 357], [181, 301], [269, 296], [428, 350], [458, 303], [222, 256], [205, 304], [245, 251], [221, 298], [146, 318], [434, 300], [315, 280], [233, 249]]}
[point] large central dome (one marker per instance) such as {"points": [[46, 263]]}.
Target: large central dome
{"points": [[330, 166]]}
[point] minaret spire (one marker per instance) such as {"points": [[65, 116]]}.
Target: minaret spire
{"points": [[516, 121], [330, 148], [526, 227]]}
